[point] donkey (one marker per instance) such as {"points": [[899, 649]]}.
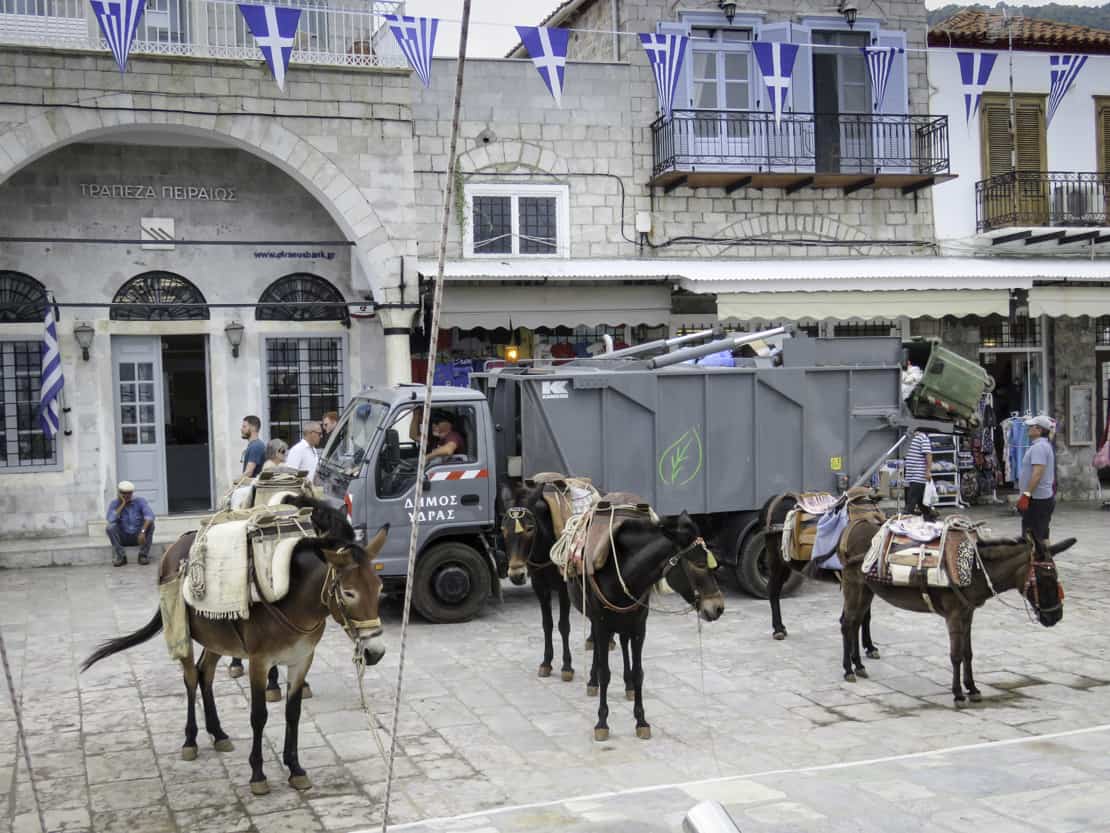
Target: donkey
{"points": [[780, 570], [529, 533], [329, 575], [1011, 564], [615, 597]]}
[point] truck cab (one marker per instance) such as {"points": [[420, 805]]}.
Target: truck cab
{"points": [[369, 463]]}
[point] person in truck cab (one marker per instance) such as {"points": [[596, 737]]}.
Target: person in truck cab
{"points": [[445, 440]]}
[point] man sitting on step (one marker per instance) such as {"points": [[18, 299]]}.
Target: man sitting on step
{"points": [[130, 523]]}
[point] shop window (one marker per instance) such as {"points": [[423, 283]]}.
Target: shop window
{"points": [[159, 296], [999, 331], [304, 379], [874, 327], [1102, 331], [524, 220], [23, 446], [22, 299], [302, 297]]}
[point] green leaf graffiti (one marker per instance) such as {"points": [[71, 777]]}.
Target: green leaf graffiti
{"points": [[681, 462]]}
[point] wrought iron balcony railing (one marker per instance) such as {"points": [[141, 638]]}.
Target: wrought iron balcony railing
{"points": [[802, 143], [1042, 198], [345, 35]]}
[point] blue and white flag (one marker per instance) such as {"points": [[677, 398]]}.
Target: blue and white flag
{"points": [[50, 383], [975, 72], [547, 47], [274, 29], [1064, 70], [776, 62], [119, 21], [417, 38], [665, 54], [880, 63]]}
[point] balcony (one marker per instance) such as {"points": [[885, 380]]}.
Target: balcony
{"points": [[733, 149], [1031, 207], [327, 35]]}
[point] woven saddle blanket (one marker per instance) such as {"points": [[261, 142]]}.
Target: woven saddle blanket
{"points": [[585, 544], [815, 527], [909, 552]]}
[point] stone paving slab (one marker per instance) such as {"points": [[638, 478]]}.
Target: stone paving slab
{"points": [[479, 730]]}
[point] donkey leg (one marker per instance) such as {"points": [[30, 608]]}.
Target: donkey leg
{"points": [[208, 662], [297, 673], [258, 673], [626, 656], [273, 688], [189, 669], [601, 664], [956, 653], [643, 728], [543, 593], [868, 644], [779, 572], [973, 693], [564, 632]]}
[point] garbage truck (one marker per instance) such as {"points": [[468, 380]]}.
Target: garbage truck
{"points": [[800, 414]]}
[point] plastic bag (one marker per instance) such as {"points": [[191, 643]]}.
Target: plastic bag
{"points": [[1102, 459], [931, 497]]}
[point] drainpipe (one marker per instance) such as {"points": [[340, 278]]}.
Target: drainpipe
{"points": [[615, 17]]}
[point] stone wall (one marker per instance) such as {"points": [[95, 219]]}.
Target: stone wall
{"points": [[1072, 362]]}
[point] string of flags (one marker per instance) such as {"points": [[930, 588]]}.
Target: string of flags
{"points": [[275, 28]]}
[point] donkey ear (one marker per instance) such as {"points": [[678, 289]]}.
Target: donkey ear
{"points": [[339, 559], [377, 542], [1060, 546]]}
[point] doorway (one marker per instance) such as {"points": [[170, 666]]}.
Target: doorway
{"points": [[1102, 370], [162, 428], [841, 88]]}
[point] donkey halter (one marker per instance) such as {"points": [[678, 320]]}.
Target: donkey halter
{"points": [[516, 514], [1031, 582], [332, 594]]}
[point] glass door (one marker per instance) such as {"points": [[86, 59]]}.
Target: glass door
{"points": [[721, 95], [140, 440]]}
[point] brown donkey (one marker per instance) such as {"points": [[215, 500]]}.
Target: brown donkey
{"points": [[328, 576], [1010, 564]]}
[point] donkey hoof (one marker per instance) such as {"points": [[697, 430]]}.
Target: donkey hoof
{"points": [[849, 677], [629, 694], [300, 782], [568, 675], [862, 672], [234, 671], [873, 653], [601, 734], [188, 753], [224, 745], [591, 691], [273, 695], [975, 696], [961, 702], [306, 692], [643, 732], [545, 671], [260, 787], [612, 645], [779, 636], [589, 644]]}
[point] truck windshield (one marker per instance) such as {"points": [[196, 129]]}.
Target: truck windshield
{"points": [[348, 445]]}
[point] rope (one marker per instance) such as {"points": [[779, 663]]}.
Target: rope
{"points": [[422, 454], [21, 739]]}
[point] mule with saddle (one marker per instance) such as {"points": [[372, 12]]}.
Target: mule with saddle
{"points": [[260, 583], [611, 555]]}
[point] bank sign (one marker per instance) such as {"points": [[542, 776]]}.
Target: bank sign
{"points": [[201, 193]]}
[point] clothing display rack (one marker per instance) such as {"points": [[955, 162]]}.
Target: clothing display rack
{"points": [[946, 469]]}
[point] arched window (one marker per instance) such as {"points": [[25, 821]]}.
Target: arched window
{"points": [[158, 296], [22, 298], [302, 297]]}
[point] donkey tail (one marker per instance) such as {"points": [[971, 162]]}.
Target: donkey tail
{"points": [[114, 646]]}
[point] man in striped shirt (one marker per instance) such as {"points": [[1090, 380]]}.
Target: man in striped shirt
{"points": [[918, 470]]}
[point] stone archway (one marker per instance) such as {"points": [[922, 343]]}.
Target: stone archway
{"points": [[509, 154], [791, 227]]}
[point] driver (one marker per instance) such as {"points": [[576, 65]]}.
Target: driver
{"points": [[445, 440]]}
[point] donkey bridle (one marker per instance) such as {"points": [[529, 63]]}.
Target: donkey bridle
{"points": [[665, 570], [1031, 581], [516, 514]]}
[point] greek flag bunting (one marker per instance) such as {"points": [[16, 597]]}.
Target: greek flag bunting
{"points": [[119, 21], [776, 63], [547, 47], [274, 29], [1063, 71], [50, 383], [417, 38], [975, 71], [880, 63], [665, 54]]}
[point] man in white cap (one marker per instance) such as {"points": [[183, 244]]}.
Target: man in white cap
{"points": [[130, 523], [1038, 479]]}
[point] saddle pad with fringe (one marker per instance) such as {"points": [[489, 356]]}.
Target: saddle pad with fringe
{"points": [[272, 546], [175, 619], [217, 584]]}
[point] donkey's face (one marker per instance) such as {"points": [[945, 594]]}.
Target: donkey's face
{"points": [[695, 582], [1043, 589], [353, 595], [518, 529]]}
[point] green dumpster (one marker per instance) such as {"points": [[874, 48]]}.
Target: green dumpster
{"points": [[950, 388]]}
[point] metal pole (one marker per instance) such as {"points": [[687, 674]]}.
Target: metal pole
{"points": [[729, 343], [874, 466], [422, 455], [658, 344]]}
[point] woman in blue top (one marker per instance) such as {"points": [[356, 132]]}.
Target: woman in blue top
{"points": [[1038, 480]]}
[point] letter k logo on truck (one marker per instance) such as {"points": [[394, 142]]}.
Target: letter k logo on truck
{"points": [[554, 390]]}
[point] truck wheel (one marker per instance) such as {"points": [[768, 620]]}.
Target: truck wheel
{"points": [[452, 583], [752, 571]]}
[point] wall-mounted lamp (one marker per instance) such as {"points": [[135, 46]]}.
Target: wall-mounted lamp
{"points": [[84, 333], [512, 353], [729, 8], [850, 10], [234, 333]]}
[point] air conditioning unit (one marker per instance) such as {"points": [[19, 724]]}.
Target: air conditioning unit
{"points": [[1077, 204]]}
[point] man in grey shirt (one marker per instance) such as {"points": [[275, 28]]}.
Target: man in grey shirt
{"points": [[1038, 480]]}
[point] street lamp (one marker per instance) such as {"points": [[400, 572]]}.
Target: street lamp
{"points": [[729, 8], [84, 333], [850, 10], [234, 333]]}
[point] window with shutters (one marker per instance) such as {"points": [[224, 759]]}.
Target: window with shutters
{"points": [[1018, 183], [1102, 120]]}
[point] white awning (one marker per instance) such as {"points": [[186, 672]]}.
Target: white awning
{"points": [[551, 306], [844, 306], [1071, 301]]}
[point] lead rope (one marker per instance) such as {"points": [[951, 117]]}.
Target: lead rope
{"points": [[422, 453], [21, 738]]}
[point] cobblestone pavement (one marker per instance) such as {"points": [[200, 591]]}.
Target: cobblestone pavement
{"points": [[735, 717]]}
